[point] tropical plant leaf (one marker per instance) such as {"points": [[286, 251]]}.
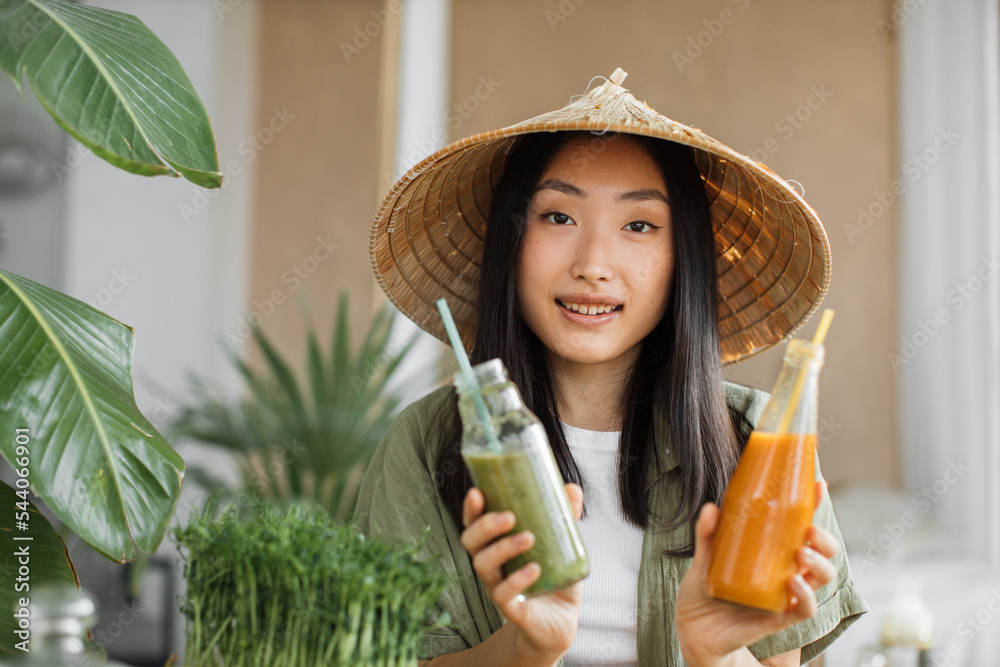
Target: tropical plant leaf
{"points": [[96, 461], [340, 345], [318, 431], [280, 370], [47, 559], [314, 363], [112, 84]]}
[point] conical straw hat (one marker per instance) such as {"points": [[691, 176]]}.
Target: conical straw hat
{"points": [[772, 254]]}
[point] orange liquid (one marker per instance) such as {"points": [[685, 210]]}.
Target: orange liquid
{"points": [[766, 513]]}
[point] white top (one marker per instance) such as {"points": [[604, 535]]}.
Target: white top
{"points": [[607, 631]]}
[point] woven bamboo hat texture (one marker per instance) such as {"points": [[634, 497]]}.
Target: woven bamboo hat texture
{"points": [[772, 253]]}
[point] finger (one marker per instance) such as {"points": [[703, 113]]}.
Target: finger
{"points": [[805, 601], [822, 541], [704, 530], [472, 506], [575, 494], [816, 569], [489, 561], [514, 585], [821, 488], [486, 529]]}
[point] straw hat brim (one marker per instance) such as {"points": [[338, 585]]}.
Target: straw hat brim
{"points": [[772, 253]]}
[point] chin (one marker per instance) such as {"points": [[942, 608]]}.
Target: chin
{"points": [[586, 356]]}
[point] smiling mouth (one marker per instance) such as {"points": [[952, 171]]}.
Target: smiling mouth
{"points": [[584, 309]]}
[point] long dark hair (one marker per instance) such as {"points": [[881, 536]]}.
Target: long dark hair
{"points": [[678, 372]]}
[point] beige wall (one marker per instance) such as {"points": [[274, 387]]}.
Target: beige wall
{"points": [[524, 59], [317, 179]]}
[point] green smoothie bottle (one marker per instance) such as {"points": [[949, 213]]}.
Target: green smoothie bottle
{"points": [[511, 462]]}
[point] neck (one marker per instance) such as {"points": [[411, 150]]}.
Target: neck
{"points": [[590, 395]]}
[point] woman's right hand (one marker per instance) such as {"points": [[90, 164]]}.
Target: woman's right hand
{"points": [[546, 624]]}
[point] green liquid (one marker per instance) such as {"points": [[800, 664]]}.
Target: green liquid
{"points": [[529, 484]]}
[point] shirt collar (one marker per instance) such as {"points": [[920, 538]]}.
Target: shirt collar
{"points": [[664, 455], [750, 402]]}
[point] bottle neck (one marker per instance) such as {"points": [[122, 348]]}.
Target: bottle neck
{"points": [[492, 412], [795, 397], [498, 400], [486, 375]]}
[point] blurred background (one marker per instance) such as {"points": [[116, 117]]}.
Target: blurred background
{"points": [[885, 113]]}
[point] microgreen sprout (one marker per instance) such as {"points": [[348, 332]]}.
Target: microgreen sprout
{"points": [[288, 587]]}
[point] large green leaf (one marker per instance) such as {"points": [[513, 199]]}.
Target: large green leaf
{"points": [[112, 84], [96, 461], [46, 560]]}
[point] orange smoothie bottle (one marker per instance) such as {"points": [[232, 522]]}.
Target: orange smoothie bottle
{"points": [[769, 503]]}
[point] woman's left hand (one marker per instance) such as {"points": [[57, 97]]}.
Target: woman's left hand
{"points": [[710, 629]]}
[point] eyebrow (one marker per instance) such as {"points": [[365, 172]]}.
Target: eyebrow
{"points": [[645, 194]]}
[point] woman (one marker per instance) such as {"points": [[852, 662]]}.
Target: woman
{"points": [[599, 289]]}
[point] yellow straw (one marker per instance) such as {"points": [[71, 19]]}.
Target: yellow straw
{"points": [[793, 402], [824, 326]]}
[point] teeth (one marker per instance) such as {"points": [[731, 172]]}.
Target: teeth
{"points": [[589, 310]]}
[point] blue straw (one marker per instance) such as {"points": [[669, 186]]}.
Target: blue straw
{"points": [[466, 369]]}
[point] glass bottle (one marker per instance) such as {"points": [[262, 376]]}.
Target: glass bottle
{"points": [[58, 617], [769, 503], [511, 462], [907, 631]]}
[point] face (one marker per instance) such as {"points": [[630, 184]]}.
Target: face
{"points": [[597, 261]]}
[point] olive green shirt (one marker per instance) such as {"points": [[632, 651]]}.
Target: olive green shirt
{"points": [[399, 500]]}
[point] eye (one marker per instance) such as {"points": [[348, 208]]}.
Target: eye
{"points": [[557, 218], [640, 226]]}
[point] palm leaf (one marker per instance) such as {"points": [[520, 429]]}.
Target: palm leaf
{"points": [[96, 461], [280, 371], [338, 412], [317, 379], [340, 344], [112, 84]]}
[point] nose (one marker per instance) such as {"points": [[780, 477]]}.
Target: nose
{"points": [[592, 259]]}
